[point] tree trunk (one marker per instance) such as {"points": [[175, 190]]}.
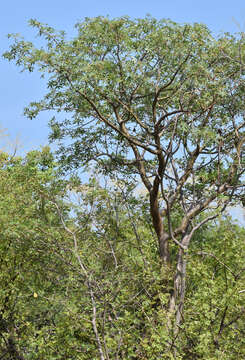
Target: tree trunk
{"points": [[159, 229], [179, 287], [177, 299], [164, 247]]}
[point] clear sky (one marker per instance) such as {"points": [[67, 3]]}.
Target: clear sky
{"points": [[18, 89]]}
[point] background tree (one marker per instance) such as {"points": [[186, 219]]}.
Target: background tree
{"points": [[155, 101]]}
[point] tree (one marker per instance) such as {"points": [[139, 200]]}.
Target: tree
{"points": [[153, 101]]}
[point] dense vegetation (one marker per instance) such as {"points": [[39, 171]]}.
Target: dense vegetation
{"points": [[141, 261]]}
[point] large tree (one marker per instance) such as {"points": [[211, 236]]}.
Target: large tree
{"points": [[152, 100]]}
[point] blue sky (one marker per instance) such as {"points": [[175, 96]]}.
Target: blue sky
{"points": [[18, 89]]}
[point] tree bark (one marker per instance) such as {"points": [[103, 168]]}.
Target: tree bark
{"points": [[179, 287], [159, 228], [177, 299]]}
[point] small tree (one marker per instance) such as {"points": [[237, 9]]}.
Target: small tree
{"points": [[154, 100]]}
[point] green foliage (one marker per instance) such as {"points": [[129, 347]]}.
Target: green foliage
{"points": [[45, 300], [29, 227], [214, 317]]}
